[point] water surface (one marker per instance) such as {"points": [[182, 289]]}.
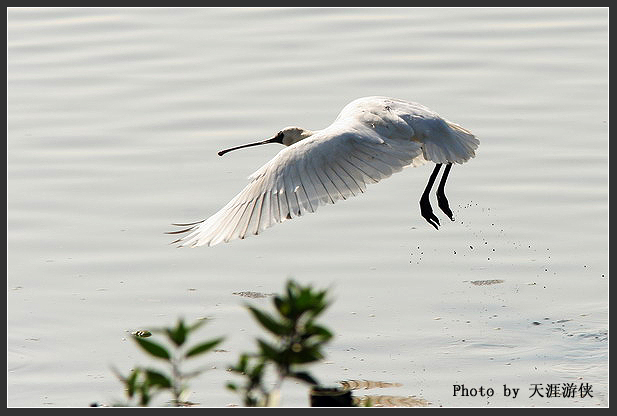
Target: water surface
{"points": [[114, 118]]}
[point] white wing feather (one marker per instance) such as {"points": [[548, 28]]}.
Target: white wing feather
{"points": [[299, 179]]}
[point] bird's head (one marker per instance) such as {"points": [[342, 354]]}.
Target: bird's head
{"points": [[287, 136], [290, 135]]}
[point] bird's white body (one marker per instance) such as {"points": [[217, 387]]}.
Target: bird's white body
{"points": [[371, 138]]}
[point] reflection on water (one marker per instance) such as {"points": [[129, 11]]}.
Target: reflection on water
{"points": [[380, 400], [114, 119]]}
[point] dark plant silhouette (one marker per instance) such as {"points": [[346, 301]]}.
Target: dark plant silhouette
{"points": [[143, 383], [298, 340]]}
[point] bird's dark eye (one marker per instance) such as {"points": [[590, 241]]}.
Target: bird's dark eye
{"points": [[280, 134]]}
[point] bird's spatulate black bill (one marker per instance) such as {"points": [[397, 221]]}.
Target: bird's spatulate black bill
{"points": [[276, 139]]}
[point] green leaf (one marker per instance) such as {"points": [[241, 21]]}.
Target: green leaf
{"points": [[203, 347], [178, 334], [145, 395], [306, 355], [269, 322], [131, 381], [241, 366], [158, 379], [269, 352], [318, 330], [153, 348], [257, 372], [282, 305]]}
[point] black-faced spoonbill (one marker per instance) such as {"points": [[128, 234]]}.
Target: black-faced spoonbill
{"points": [[371, 138]]}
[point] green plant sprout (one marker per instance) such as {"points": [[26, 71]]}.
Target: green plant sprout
{"points": [[298, 340], [143, 383]]}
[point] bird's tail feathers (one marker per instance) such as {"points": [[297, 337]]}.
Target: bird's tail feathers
{"points": [[458, 146]]}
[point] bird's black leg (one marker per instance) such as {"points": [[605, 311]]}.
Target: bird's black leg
{"points": [[425, 204], [441, 196]]}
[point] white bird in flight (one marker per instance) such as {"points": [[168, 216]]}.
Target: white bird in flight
{"points": [[371, 138]]}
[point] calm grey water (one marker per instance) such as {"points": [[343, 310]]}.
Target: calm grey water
{"points": [[113, 123]]}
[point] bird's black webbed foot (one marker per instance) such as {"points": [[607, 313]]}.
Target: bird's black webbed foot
{"points": [[427, 212]]}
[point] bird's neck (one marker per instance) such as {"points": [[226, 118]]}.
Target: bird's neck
{"points": [[301, 136], [306, 133]]}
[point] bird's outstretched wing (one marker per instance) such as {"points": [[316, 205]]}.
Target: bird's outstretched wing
{"points": [[335, 163]]}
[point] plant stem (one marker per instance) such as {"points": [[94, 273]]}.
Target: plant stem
{"points": [[176, 381]]}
